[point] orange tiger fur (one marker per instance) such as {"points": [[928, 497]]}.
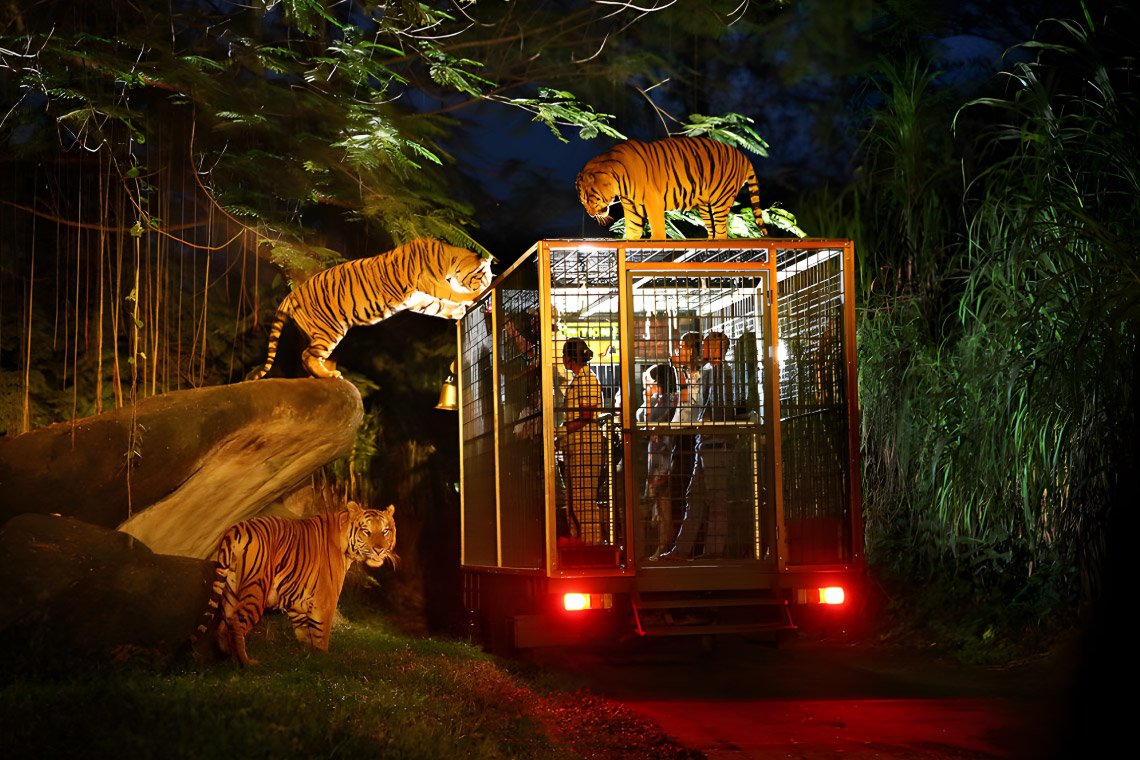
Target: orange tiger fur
{"points": [[425, 275], [674, 173], [297, 566]]}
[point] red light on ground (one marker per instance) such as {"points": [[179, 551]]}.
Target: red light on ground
{"points": [[576, 602], [831, 595]]}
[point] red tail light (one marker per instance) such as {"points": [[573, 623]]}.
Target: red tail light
{"points": [[574, 602], [828, 595]]}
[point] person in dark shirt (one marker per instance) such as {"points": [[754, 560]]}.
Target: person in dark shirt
{"points": [[687, 364], [706, 502], [660, 384]]}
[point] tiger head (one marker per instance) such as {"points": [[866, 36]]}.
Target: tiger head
{"points": [[469, 271], [372, 535], [597, 191]]}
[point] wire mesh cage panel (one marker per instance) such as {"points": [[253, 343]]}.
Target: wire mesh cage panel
{"points": [[586, 365], [630, 404], [699, 441], [520, 438], [704, 252], [813, 405], [477, 410]]}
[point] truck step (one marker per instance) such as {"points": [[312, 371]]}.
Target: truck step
{"points": [[712, 630], [673, 614], [692, 602]]}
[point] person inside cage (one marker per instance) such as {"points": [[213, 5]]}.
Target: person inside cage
{"points": [[520, 355], [582, 443], [660, 384], [687, 364], [706, 502]]}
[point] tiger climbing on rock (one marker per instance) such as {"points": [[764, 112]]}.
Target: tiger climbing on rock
{"points": [[425, 276]]}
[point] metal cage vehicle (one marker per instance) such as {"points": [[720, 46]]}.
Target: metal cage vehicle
{"points": [[691, 469]]}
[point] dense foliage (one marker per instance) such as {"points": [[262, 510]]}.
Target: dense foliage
{"points": [[998, 337], [271, 110], [172, 148], [273, 118]]}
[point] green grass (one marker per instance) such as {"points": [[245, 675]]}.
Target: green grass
{"points": [[376, 694]]}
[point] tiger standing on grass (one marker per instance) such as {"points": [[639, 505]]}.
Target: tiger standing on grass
{"points": [[297, 566], [677, 173], [426, 276]]}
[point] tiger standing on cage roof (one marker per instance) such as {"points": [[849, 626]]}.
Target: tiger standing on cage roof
{"points": [[425, 276], [676, 173]]}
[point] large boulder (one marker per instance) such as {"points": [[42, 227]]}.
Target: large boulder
{"points": [[77, 592], [176, 470]]}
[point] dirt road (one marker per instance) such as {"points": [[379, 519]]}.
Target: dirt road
{"points": [[748, 700]]}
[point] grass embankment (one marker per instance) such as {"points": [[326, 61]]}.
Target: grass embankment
{"points": [[376, 694], [969, 622]]}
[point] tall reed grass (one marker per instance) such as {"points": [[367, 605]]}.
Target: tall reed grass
{"points": [[1000, 306]]}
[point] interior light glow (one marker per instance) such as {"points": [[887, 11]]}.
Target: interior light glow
{"points": [[803, 265], [831, 595], [576, 601]]}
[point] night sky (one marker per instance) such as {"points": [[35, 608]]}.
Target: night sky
{"points": [[804, 85]]}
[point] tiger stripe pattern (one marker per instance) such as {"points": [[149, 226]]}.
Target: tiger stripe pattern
{"points": [[297, 566], [676, 173], [425, 276]]}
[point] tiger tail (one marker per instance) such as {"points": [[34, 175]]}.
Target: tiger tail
{"points": [[284, 312]]}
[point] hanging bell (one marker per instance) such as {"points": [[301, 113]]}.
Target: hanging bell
{"points": [[449, 394]]}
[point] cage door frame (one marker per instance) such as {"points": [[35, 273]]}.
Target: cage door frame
{"points": [[769, 378]]}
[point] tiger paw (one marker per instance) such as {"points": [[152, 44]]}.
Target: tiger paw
{"points": [[318, 366], [454, 311]]}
